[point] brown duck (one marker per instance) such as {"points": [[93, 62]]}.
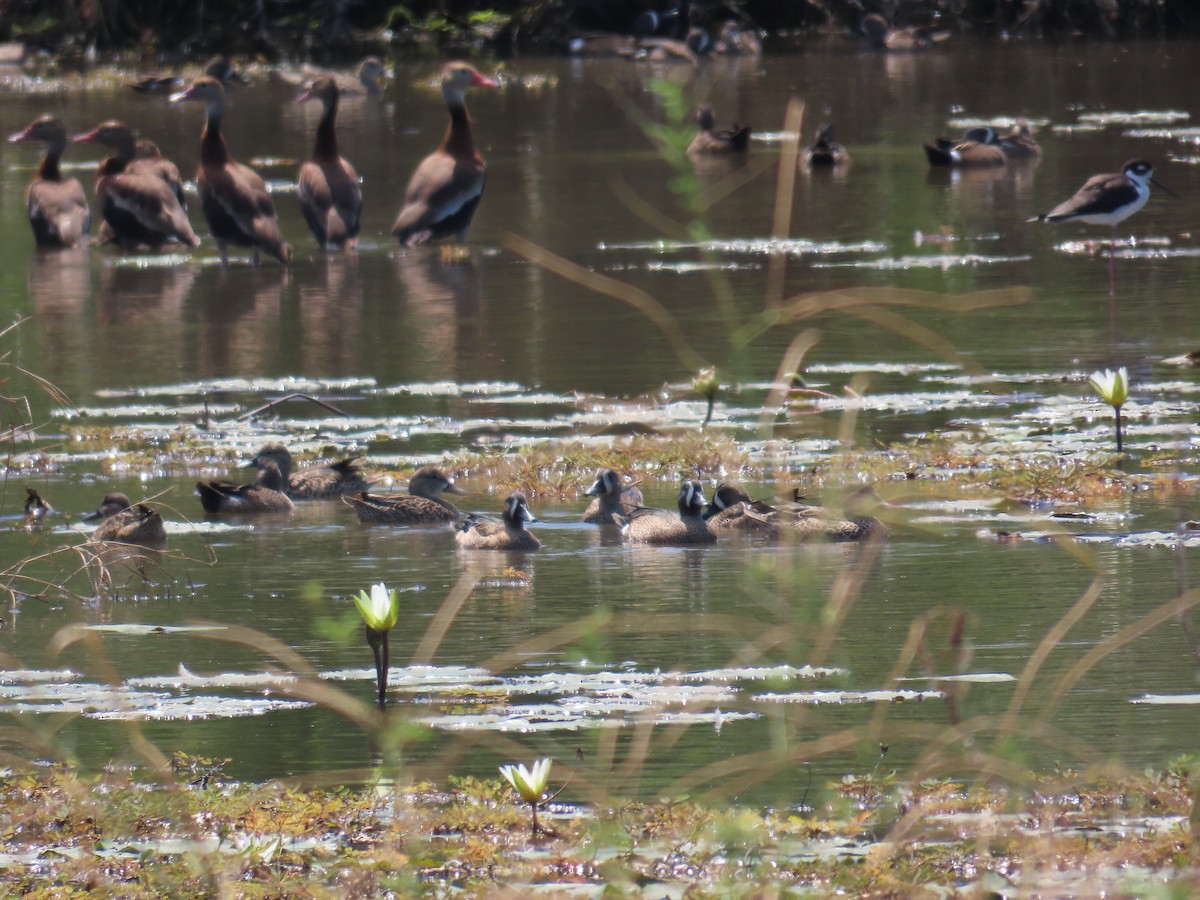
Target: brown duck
{"points": [[479, 532], [661, 526], [57, 205], [234, 197], [264, 495], [419, 506], [126, 523], [825, 151], [444, 191], [329, 194], [313, 482], [978, 149], [732, 508], [139, 207], [710, 139], [611, 497]]}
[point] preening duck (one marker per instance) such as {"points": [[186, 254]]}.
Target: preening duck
{"points": [[125, 523], [139, 207], [710, 139], [313, 482]]}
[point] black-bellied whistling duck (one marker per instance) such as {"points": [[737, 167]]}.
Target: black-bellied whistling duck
{"points": [[234, 197], [330, 197], [58, 209], [712, 140], [148, 159], [445, 189], [139, 207]]}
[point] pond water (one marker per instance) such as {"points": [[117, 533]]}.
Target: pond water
{"points": [[429, 356]]}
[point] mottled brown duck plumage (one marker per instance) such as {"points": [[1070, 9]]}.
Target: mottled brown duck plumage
{"points": [[421, 505]]}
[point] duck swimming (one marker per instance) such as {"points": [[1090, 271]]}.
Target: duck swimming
{"points": [[611, 497], [126, 523], [419, 506], [263, 496], [314, 482], [479, 532], [662, 527]]}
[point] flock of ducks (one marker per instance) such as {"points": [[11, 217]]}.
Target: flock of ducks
{"points": [[140, 197], [615, 504]]}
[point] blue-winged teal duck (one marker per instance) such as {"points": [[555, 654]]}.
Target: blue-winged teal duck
{"points": [[978, 149], [1018, 142], [219, 67], [126, 523], [611, 497], [445, 190], [732, 508], [314, 482], [330, 197], [420, 505], [661, 526], [479, 532], [264, 495], [825, 151], [713, 140], [234, 198], [56, 203]]}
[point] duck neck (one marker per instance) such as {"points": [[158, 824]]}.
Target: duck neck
{"points": [[49, 170], [212, 143], [326, 146], [459, 141]]}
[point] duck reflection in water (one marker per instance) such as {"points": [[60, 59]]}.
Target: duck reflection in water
{"points": [[240, 319], [59, 283], [443, 322], [331, 302]]}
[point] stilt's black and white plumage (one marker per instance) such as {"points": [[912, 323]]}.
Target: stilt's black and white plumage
{"points": [[1108, 199]]}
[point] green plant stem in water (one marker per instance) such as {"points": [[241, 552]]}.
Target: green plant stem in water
{"points": [[1117, 410]]}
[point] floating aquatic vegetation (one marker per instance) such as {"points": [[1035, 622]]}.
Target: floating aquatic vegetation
{"points": [[976, 678], [284, 384], [449, 389], [943, 262], [1181, 134], [1144, 117], [850, 368], [688, 268], [146, 411], [751, 246], [159, 261], [1167, 700], [850, 696], [99, 701], [965, 122], [130, 628], [186, 680]]}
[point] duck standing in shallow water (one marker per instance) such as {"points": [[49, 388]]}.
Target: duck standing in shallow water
{"points": [[444, 191], [313, 482], [264, 495], [125, 523], [329, 194], [139, 207], [234, 197], [57, 205], [611, 497], [479, 532], [421, 505], [661, 526], [711, 140]]}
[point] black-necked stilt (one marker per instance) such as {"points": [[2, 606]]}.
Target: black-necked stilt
{"points": [[825, 151], [1108, 199], [977, 149]]}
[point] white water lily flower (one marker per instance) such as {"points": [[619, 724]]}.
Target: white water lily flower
{"points": [[381, 609], [529, 783], [1113, 387]]}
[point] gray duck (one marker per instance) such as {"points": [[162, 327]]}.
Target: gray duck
{"points": [[479, 532], [661, 526], [419, 506], [611, 497]]}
